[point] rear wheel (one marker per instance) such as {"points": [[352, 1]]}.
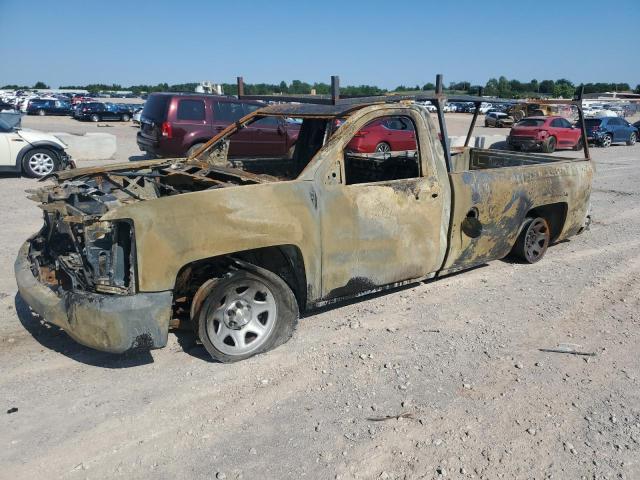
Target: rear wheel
{"points": [[42, 113], [632, 139], [95, 117], [606, 140], [383, 147], [40, 162], [125, 118], [549, 145], [245, 313], [533, 240], [194, 149], [578, 146]]}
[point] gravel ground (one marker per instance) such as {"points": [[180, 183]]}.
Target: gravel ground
{"points": [[459, 356]]}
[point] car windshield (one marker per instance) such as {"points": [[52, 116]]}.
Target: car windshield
{"points": [[531, 122]]}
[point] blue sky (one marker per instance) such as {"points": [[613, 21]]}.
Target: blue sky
{"points": [[373, 42]]}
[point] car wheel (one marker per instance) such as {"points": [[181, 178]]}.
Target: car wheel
{"points": [[95, 118], [245, 313], [40, 162], [606, 140], [549, 145], [383, 147], [578, 146], [486, 124], [533, 240], [42, 113], [125, 118], [194, 149], [632, 139]]}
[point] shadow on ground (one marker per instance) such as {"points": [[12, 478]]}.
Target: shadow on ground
{"points": [[54, 338]]}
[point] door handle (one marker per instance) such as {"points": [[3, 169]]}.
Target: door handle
{"points": [[17, 140]]}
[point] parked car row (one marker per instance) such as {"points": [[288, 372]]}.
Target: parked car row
{"points": [[555, 132], [99, 111]]}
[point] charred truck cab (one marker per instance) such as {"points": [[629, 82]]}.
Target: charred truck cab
{"points": [[236, 245]]}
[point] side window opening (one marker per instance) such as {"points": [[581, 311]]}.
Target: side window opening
{"points": [[384, 149], [191, 110]]}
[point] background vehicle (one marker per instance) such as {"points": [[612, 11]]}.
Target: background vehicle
{"points": [[35, 153], [605, 131], [99, 111], [174, 125], [497, 119], [137, 115], [521, 110], [48, 107], [386, 135], [546, 133]]}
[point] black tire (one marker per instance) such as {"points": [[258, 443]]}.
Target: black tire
{"points": [[533, 240], [486, 124], [95, 117], [632, 139], [39, 162], [124, 118], [194, 148], [218, 309], [606, 141], [578, 146], [42, 113], [549, 145]]}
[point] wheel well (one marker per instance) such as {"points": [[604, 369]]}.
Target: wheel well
{"points": [[284, 260], [555, 214]]}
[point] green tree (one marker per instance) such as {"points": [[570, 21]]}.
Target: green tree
{"points": [[637, 90], [428, 86], [491, 88], [41, 85], [546, 86]]}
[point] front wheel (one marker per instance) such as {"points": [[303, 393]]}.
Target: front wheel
{"points": [[245, 313], [95, 118], [40, 162], [533, 240], [42, 113], [632, 139], [125, 118], [606, 141]]}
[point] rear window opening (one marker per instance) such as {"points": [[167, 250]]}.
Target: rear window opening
{"points": [[155, 108], [530, 122]]}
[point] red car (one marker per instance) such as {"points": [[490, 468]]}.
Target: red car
{"points": [[390, 134], [546, 133]]}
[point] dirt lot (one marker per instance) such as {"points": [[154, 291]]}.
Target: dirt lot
{"points": [[460, 355]]}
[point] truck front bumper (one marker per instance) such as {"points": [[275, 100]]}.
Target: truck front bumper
{"points": [[111, 323]]}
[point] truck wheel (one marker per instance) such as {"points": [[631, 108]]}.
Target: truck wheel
{"points": [[194, 148], [606, 140], [245, 313], [549, 145], [40, 162], [533, 240], [632, 139]]}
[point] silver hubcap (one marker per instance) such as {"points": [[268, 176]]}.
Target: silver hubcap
{"points": [[41, 164], [606, 141], [632, 140], [241, 320], [383, 147]]}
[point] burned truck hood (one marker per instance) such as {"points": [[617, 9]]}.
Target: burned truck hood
{"points": [[92, 192]]}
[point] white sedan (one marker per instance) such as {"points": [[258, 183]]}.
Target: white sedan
{"points": [[36, 154]]}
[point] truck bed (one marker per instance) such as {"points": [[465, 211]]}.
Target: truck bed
{"points": [[479, 159]]}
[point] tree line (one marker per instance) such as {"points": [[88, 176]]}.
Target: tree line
{"points": [[500, 87]]}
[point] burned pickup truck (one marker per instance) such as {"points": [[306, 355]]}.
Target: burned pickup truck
{"points": [[238, 247]]}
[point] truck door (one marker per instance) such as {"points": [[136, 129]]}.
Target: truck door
{"points": [[384, 215]]}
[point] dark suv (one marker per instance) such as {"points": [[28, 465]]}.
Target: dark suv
{"points": [[177, 124], [99, 111], [48, 107]]}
